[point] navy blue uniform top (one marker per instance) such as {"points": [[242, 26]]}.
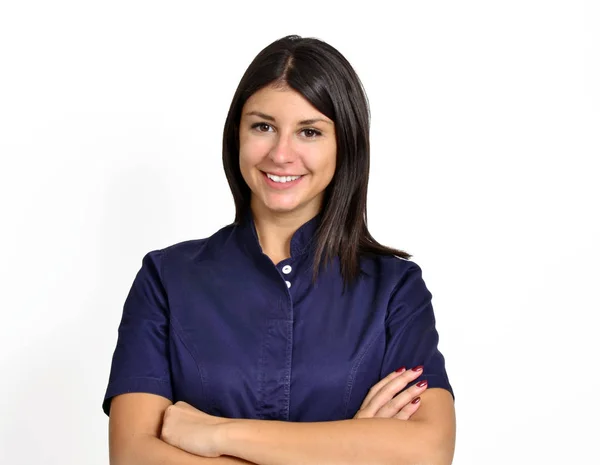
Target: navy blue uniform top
{"points": [[213, 322]]}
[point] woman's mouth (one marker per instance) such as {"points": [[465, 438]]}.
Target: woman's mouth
{"points": [[281, 182]]}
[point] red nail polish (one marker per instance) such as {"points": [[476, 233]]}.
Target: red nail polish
{"points": [[422, 383], [416, 400], [400, 369], [417, 368]]}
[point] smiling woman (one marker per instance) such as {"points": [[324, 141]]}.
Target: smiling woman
{"points": [[288, 162], [290, 336]]}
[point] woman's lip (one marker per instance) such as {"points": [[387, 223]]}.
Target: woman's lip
{"points": [[281, 185], [281, 175]]}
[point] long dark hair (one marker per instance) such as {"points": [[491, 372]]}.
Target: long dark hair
{"points": [[326, 79]]}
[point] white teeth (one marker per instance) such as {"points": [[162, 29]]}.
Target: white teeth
{"points": [[282, 178]]}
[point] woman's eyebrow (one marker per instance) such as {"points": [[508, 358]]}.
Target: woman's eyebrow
{"points": [[271, 118]]}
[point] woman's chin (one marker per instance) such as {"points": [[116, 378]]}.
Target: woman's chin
{"points": [[279, 208], [278, 203], [286, 204]]}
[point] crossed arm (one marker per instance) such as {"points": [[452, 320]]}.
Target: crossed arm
{"points": [[427, 438]]}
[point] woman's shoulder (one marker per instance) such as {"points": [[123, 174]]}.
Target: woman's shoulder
{"points": [[193, 249], [399, 279], [390, 266]]}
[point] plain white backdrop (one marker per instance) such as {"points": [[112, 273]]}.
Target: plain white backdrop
{"points": [[485, 150]]}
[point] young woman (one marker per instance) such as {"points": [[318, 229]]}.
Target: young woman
{"points": [[290, 336]]}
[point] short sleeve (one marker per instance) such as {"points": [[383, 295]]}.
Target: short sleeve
{"points": [[140, 360], [411, 335]]}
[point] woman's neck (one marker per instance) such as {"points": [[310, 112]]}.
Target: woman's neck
{"points": [[275, 230]]}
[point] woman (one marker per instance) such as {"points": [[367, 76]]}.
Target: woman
{"points": [[290, 336]]}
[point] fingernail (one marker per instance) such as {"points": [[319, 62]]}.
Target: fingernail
{"points": [[400, 369], [416, 400], [422, 383], [417, 368]]}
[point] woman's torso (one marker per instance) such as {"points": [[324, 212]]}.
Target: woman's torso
{"points": [[242, 344]]}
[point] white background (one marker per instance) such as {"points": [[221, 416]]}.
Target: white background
{"points": [[485, 148]]}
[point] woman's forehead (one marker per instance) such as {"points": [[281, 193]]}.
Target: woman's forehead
{"points": [[282, 104]]}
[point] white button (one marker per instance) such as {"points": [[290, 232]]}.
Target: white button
{"points": [[288, 284], [287, 269]]}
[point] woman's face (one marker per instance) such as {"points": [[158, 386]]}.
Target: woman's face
{"points": [[287, 152]]}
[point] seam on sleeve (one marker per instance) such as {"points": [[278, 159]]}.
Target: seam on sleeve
{"points": [[161, 274], [152, 385], [178, 333], [162, 380], [350, 385], [417, 311]]}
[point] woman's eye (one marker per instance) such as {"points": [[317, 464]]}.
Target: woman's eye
{"points": [[311, 133], [262, 127]]}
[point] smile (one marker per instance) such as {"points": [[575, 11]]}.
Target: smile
{"points": [[281, 183], [282, 179]]}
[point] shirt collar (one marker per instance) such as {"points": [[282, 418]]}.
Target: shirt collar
{"points": [[302, 239]]}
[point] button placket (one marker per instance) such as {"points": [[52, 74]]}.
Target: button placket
{"points": [[287, 269]]}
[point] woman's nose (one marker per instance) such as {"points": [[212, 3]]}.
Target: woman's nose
{"points": [[283, 150]]}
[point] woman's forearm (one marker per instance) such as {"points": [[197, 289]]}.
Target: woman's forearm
{"points": [[372, 441], [150, 450]]}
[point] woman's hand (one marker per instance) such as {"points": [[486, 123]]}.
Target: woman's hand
{"points": [[191, 430], [382, 401]]}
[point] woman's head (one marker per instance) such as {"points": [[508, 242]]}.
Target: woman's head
{"points": [[325, 81], [290, 80], [287, 152]]}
